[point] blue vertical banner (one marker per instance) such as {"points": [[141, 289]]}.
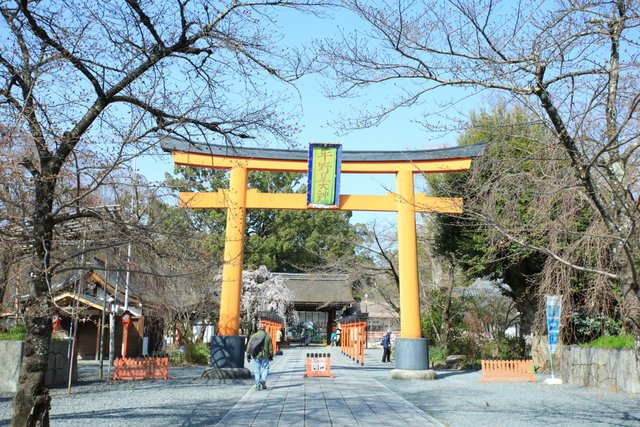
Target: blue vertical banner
{"points": [[554, 308]]}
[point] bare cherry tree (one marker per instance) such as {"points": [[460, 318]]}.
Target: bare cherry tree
{"points": [[572, 63], [107, 81]]}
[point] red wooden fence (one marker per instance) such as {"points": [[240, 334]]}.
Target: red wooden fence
{"points": [[153, 368], [507, 371]]}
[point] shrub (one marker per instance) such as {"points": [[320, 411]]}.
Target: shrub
{"points": [[437, 354], [176, 358], [59, 337], [198, 354], [468, 344], [16, 333], [511, 348], [607, 341], [318, 339], [587, 328]]}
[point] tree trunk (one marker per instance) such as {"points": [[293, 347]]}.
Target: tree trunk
{"points": [[31, 403], [203, 329], [523, 292], [446, 310], [182, 334], [5, 262], [631, 310], [630, 304]]}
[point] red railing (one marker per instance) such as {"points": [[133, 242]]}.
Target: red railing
{"points": [[153, 368], [353, 339], [271, 329], [507, 371]]}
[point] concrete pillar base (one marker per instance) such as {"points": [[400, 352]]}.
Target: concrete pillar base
{"points": [[226, 374], [227, 352], [404, 374], [412, 354]]}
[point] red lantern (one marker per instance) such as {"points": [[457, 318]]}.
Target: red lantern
{"points": [[56, 320], [126, 321]]}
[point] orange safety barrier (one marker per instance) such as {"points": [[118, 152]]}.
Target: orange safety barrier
{"points": [[507, 371], [318, 365], [353, 339], [154, 368]]}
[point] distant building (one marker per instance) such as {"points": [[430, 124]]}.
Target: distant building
{"points": [[382, 317], [319, 298], [84, 296]]}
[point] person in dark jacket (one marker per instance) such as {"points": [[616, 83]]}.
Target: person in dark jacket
{"points": [[386, 347], [260, 348]]}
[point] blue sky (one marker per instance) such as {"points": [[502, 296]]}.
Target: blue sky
{"points": [[401, 131]]}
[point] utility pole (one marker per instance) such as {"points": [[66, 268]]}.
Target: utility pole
{"points": [[126, 289], [112, 323], [126, 281], [78, 288], [104, 308], [102, 319]]}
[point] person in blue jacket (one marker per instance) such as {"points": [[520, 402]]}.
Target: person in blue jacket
{"points": [[386, 347]]}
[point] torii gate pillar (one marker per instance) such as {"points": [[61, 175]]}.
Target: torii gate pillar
{"points": [[227, 347], [408, 259], [229, 320], [412, 351]]}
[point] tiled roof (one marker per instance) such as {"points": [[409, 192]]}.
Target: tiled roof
{"points": [[317, 288], [172, 144]]}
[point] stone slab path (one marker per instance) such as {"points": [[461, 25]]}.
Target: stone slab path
{"points": [[351, 398]]}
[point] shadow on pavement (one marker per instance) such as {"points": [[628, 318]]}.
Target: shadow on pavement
{"points": [[445, 374]]}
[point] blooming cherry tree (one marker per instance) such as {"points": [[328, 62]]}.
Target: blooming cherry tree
{"points": [[262, 291]]}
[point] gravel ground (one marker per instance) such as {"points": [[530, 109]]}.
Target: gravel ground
{"points": [[184, 400], [460, 399], [455, 399]]}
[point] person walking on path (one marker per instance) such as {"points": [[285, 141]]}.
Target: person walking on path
{"points": [[386, 347], [260, 348], [279, 336], [283, 338]]}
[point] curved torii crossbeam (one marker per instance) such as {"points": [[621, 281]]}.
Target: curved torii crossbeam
{"points": [[237, 199]]}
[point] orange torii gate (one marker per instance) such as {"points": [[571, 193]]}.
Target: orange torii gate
{"points": [[411, 348]]}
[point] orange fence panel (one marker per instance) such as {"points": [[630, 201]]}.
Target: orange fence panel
{"points": [[507, 371], [272, 327], [154, 368], [272, 323], [353, 339], [318, 365]]}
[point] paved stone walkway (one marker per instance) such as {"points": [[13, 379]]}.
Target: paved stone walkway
{"points": [[351, 398]]}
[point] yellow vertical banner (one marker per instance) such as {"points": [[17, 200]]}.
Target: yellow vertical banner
{"points": [[323, 184]]}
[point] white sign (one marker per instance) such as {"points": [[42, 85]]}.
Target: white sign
{"points": [[318, 364]]}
